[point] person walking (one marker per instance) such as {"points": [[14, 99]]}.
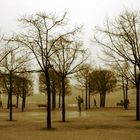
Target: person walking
{"points": [[79, 102], [95, 104]]}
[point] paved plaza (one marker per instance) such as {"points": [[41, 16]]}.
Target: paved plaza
{"points": [[95, 124]]}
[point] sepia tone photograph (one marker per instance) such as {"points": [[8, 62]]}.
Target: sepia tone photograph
{"points": [[69, 70]]}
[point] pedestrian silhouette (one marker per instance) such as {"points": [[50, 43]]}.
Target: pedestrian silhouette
{"points": [[95, 105], [79, 102]]}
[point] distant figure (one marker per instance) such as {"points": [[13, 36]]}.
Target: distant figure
{"points": [[122, 103], [95, 105], [126, 102], [79, 102]]}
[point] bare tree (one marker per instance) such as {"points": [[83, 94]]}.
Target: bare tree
{"points": [[11, 63], [40, 35], [56, 88], [83, 78], [121, 41], [124, 74], [67, 59]]}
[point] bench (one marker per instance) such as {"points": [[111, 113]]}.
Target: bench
{"points": [[121, 103], [42, 105], [13, 105], [72, 105]]}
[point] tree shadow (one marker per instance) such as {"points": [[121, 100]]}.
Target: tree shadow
{"points": [[137, 127], [48, 129], [96, 126], [60, 121], [11, 120]]}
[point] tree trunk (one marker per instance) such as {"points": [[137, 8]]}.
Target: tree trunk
{"points": [[126, 92], [102, 99], [23, 102], [137, 98], [17, 102], [124, 95], [22, 108], [48, 99], [23, 96], [10, 96], [89, 97], [137, 81], [86, 97], [60, 92], [1, 101], [59, 100], [53, 98], [63, 98]]}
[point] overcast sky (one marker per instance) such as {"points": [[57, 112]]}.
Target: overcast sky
{"points": [[89, 13], [86, 12]]}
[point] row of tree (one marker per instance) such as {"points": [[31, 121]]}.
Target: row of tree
{"points": [[21, 87], [56, 87], [95, 81], [55, 47], [12, 79], [120, 40], [58, 50]]}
